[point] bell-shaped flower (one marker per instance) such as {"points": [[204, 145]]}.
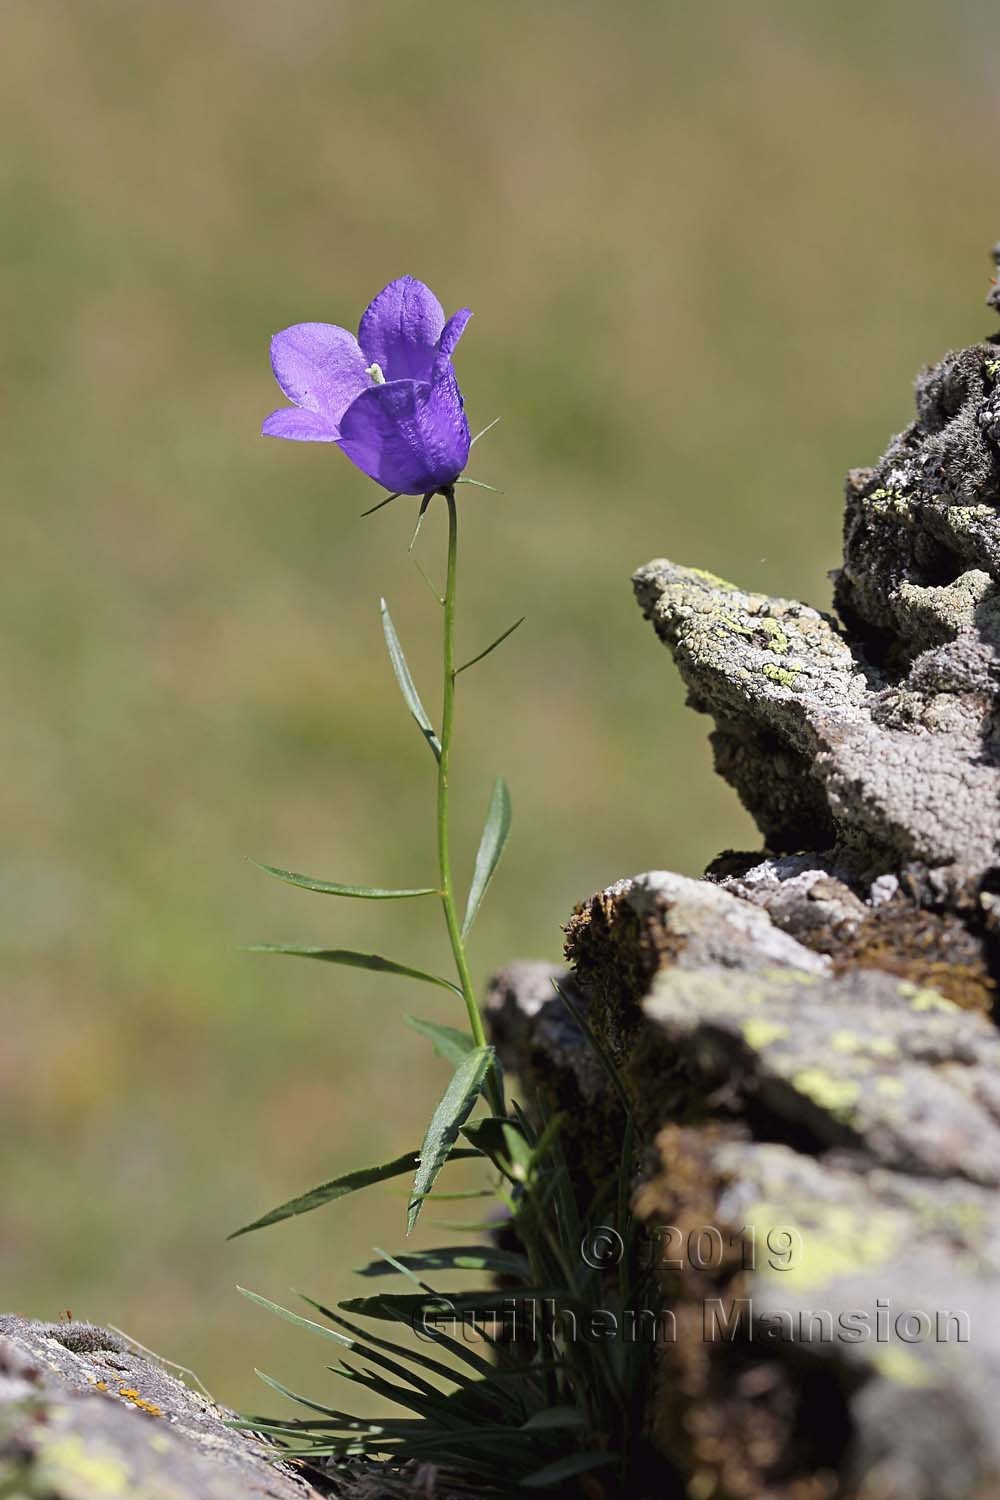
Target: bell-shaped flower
{"points": [[388, 398]]}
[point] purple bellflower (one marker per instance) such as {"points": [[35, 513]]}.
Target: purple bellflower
{"points": [[388, 398]]}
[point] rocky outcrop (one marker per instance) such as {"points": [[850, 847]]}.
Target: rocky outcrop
{"points": [[806, 1038], [83, 1416]]}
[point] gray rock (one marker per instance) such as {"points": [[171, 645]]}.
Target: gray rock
{"points": [[85, 1417], [806, 1037], [825, 754]]}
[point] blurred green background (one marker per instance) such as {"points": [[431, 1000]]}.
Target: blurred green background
{"points": [[707, 247]]}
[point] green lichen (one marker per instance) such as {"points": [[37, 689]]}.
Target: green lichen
{"points": [[886, 499], [852, 1044], [732, 623], [835, 1095], [836, 1240], [924, 998], [779, 640], [901, 1367], [759, 1034], [69, 1468], [780, 675], [845, 1041], [712, 578]]}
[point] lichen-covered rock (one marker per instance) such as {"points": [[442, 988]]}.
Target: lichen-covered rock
{"points": [[85, 1417], [857, 1228], [806, 1039], [826, 755], [877, 742]]}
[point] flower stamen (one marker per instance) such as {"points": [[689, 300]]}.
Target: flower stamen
{"points": [[375, 371]]}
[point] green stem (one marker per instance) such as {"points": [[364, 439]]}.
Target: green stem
{"points": [[493, 1089]]}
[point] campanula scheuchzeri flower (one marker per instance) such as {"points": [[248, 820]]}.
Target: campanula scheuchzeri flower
{"points": [[388, 398]]}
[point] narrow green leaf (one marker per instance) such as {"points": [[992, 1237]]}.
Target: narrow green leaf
{"points": [[456, 1105], [370, 1340], [441, 1307], [283, 1390], [568, 1468], [431, 1407], [403, 1270], [427, 579], [405, 681], [554, 1417], [425, 502], [491, 846], [492, 647], [371, 511], [282, 1312], [487, 1135], [503, 1142], [339, 1187], [352, 960], [604, 1056], [459, 1197], [454, 1258], [466, 1226], [458, 1348], [480, 484], [331, 888], [449, 1042]]}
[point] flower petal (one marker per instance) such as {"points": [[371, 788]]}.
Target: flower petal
{"points": [[453, 330], [410, 436], [399, 330], [302, 426], [319, 366]]}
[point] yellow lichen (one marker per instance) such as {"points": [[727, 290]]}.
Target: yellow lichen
{"points": [[836, 1095], [66, 1466], [712, 578], [905, 1369], [845, 1041], [838, 1240], [781, 675], [931, 1000], [761, 1033], [779, 640], [853, 1045], [127, 1393]]}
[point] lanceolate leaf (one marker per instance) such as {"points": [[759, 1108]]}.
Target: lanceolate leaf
{"points": [[339, 1187], [503, 1142], [331, 888], [352, 960], [283, 1312], [491, 846], [405, 681], [438, 1307], [554, 1417], [453, 1258], [364, 1339], [568, 1468], [447, 1120], [449, 1042]]}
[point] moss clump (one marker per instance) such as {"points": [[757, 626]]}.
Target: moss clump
{"points": [[933, 951]]}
